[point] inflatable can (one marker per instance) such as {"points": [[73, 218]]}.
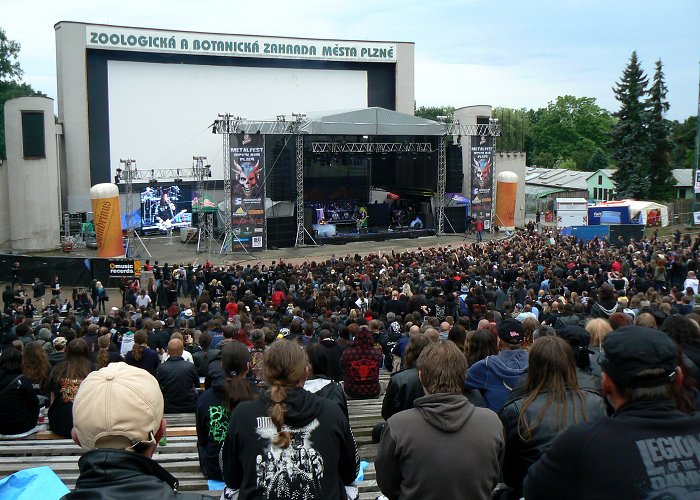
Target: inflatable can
{"points": [[108, 224]]}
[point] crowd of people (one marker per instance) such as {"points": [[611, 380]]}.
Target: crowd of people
{"points": [[526, 360]]}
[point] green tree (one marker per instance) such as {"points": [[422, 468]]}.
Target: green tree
{"points": [[597, 160], [660, 175], [10, 80], [432, 112], [630, 145], [515, 128], [683, 140], [569, 128]]}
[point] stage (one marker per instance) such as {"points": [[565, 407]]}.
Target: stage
{"points": [[373, 234]]}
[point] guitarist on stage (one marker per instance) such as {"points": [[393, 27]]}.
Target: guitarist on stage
{"points": [[166, 208]]}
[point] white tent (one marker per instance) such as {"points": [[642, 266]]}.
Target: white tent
{"points": [[643, 212]]}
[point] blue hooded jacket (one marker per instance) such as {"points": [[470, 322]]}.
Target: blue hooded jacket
{"points": [[495, 376]]}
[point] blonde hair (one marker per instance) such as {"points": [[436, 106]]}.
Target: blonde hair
{"points": [[284, 367], [598, 328]]}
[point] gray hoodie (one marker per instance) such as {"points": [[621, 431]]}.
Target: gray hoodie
{"points": [[444, 447]]}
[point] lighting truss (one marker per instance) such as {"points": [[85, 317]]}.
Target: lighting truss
{"points": [[371, 147], [226, 124]]}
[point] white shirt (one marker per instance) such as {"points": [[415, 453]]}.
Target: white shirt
{"points": [[692, 283], [185, 355], [143, 300]]}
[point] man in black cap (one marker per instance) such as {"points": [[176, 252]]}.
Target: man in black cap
{"points": [[495, 376], [647, 449]]}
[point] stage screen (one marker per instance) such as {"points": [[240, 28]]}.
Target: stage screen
{"points": [[405, 172], [164, 207], [159, 113]]}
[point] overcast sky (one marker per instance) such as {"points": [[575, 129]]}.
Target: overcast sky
{"points": [[499, 52]]}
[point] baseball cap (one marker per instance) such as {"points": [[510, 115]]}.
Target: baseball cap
{"points": [[511, 331], [188, 313], [577, 337], [60, 342], [632, 349], [117, 407]]}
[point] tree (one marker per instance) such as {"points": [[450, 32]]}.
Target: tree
{"points": [[683, 140], [660, 176], [569, 128], [10, 80], [515, 128], [630, 145], [597, 160], [432, 112]]}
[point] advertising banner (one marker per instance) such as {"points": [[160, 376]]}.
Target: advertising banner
{"points": [[124, 268], [697, 181], [248, 192], [482, 165]]}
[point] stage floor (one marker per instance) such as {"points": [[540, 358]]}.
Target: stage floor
{"points": [[373, 234], [380, 242]]}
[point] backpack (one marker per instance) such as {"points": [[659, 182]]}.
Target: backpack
{"points": [[463, 309]]}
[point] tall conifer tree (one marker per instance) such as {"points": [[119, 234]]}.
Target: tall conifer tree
{"points": [[630, 145], [660, 175]]}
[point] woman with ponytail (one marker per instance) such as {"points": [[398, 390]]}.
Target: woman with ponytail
{"points": [[289, 440], [141, 356], [214, 406], [104, 356]]}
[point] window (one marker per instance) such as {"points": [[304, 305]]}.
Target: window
{"points": [[33, 141], [600, 180], [605, 194], [595, 193]]}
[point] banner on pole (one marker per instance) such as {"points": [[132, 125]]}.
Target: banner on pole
{"points": [[248, 192], [482, 165]]}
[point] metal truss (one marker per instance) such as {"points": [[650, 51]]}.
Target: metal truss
{"points": [[300, 191], [441, 183], [131, 173], [371, 147], [493, 128]]}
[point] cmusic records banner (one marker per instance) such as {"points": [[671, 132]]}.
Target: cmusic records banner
{"points": [[481, 193], [248, 192]]}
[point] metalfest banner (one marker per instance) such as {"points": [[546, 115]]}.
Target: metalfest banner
{"points": [[482, 165], [248, 192]]}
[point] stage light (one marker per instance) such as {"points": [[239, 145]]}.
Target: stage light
{"points": [[215, 128], [207, 170], [117, 179]]}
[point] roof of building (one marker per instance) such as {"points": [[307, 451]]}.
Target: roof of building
{"points": [[683, 176], [557, 177], [608, 172]]}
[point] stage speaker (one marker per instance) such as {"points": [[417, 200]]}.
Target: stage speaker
{"points": [[456, 217], [281, 232], [455, 170], [280, 168]]}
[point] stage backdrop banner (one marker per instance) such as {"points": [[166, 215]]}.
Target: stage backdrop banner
{"points": [[248, 192], [481, 194]]}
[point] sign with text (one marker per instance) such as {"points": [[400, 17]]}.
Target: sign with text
{"points": [[248, 191], [178, 42], [124, 268], [481, 192]]}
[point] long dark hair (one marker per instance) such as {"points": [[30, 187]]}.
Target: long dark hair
{"points": [[552, 372], [482, 344], [140, 338], [415, 346], [77, 365], [235, 361], [35, 363], [102, 359]]}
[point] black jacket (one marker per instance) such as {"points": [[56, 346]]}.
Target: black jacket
{"points": [[118, 474], [178, 379], [19, 406], [321, 459], [212, 420], [403, 389], [326, 388], [647, 449], [522, 453]]}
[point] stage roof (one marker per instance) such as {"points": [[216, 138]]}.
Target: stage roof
{"points": [[371, 121]]}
